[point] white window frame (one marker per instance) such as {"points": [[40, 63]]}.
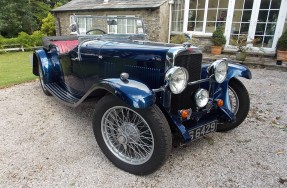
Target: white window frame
{"points": [[253, 23], [72, 21], [126, 25], [229, 18], [202, 33]]}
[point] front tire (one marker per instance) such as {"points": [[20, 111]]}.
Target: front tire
{"points": [[240, 103], [135, 140]]}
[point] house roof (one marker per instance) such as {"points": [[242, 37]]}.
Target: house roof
{"points": [[109, 4]]}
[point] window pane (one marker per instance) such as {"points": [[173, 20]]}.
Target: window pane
{"points": [[248, 4], [201, 4], [112, 29], [177, 18], [275, 4], [260, 28], [270, 29], [246, 15], [192, 4], [265, 4], [211, 15], [200, 15], [121, 26], [210, 27], [222, 14], [244, 28], [223, 3], [190, 26], [267, 41], [130, 26], [262, 17], [273, 16], [213, 4], [198, 26], [237, 16], [89, 23], [81, 22]]}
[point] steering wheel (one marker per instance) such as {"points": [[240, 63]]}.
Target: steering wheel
{"points": [[96, 29]]}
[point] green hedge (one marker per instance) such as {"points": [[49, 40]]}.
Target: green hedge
{"points": [[23, 38]]}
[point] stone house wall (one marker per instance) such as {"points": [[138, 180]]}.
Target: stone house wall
{"points": [[155, 20]]}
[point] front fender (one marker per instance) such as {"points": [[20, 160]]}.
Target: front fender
{"points": [[133, 93], [237, 70], [40, 56], [221, 90]]}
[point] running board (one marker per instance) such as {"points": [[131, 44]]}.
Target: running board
{"points": [[62, 94]]}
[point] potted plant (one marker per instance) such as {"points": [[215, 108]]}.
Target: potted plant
{"points": [[241, 46], [282, 47], [218, 40]]}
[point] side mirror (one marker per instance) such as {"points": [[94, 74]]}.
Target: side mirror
{"points": [[73, 27]]}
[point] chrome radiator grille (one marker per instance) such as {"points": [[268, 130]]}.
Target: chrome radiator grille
{"points": [[184, 100]]}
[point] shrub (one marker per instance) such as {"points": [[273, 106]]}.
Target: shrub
{"points": [[282, 42], [178, 39], [218, 39], [36, 38], [24, 39], [48, 25]]}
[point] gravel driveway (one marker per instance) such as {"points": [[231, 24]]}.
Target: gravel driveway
{"points": [[46, 144]]}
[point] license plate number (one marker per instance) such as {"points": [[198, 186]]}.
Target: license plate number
{"points": [[202, 130]]}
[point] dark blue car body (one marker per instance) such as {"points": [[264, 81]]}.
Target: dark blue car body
{"points": [[93, 67]]}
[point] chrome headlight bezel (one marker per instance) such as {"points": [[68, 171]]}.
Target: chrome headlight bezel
{"points": [[177, 76], [219, 69]]}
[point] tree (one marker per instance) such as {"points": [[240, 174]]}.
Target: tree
{"points": [[48, 25], [24, 15]]}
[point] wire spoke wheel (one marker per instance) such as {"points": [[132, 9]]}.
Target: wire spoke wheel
{"points": [[234, 100], [239, 102], [127, 135]]}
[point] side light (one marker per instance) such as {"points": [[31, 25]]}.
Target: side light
{"points": [[220, 102], [201, 97]]}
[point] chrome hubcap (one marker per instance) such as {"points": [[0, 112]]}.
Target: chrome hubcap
{"points": [[127, 135]]}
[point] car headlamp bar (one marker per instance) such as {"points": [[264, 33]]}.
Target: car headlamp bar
{"points": [[198, 81]]}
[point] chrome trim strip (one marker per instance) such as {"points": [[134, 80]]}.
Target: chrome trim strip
{"points": [[198, 81]]}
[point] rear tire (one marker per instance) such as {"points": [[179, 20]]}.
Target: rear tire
{"points": [[135, 140], [239, 97], [42, 81]]}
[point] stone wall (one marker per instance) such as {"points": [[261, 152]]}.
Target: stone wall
{"points": [[156, 20]]}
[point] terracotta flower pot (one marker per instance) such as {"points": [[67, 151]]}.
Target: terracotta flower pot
{"points": [[281, 55], [216, 50]]}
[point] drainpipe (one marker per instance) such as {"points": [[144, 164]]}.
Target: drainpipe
{"points": [[170, 2]]}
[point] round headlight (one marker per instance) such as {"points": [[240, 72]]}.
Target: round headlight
{"points": [[219, 69], [201, 97], [177, 78]]}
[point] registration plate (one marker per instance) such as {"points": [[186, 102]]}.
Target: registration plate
{"points": [[202, 130]]}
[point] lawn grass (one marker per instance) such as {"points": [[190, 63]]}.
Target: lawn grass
{"points": [[15, 68]]}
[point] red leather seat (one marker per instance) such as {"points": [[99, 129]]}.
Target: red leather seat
{"points": [[66, 45]]}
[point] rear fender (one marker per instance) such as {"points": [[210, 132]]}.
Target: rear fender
{"points": [[133, 93]]}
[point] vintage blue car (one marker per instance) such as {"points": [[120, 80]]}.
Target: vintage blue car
{"points": [[149, 96]]}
